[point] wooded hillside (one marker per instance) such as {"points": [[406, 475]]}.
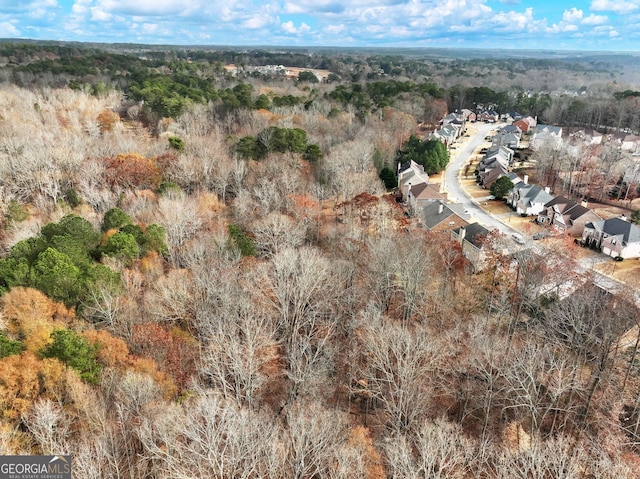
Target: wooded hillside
{"points": [[199, 282]]}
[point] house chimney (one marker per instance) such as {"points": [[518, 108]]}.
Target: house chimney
{"points": [[584, 202], [462, 234], [440, 208], [623, 217], [547, 189], [525, 180]]}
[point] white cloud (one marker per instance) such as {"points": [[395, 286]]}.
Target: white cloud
{"points": [[322, 22], [256, 22], [7, 29], [595, 19], [617, 6], [335, 29], [573, 15], [81, 7], [99, 15], [289, 27], [605, 30], [148, 7]]}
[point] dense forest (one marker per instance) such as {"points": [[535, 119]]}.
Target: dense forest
{"points": [[203, 275]]}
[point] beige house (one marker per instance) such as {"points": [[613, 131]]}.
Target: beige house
{"points": [[566, 216]]}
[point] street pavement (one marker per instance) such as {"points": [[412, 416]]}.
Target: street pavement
{"points": [[457, 194], [453, 187]]}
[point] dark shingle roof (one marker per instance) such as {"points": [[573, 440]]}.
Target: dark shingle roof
{"points": [[615, 226], [577, 211], [560, 200], [475, 234]]}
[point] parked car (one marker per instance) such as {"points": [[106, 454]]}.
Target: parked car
{"points": [[541, 235], [517, 237]]}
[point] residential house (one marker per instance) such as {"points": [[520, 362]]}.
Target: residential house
{"points": [[448, 133], [469, 115], [586, 135], [506, 138], [627, 142], [490, 175], [491, 161], [528, 200], [438, 216], [526, 124], [499, 151], [512, 115], [512, 129], [546, 134], [495, 163], [410, 174], [421, 194], [522, 125], [490, 116], [615, 237], [566, 216], [472, 239], [457, 118]]}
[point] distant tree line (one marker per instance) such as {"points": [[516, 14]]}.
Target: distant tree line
{"points": [[171, 80]]}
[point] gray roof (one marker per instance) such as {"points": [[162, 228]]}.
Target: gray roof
{"points": [[550, 129], [511, 129], [514, 177], [561, 200], [475, 234], [535, 194], [629, 232], [432, 216]]}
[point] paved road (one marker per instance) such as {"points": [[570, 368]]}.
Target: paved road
{"points": [[457, 194], [455, 191]]}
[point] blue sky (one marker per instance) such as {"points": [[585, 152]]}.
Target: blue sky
{"points": [[612, 25]]}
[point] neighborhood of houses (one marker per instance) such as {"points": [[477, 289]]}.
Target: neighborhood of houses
{"points": [[556, 215]]}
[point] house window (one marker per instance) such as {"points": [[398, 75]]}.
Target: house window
{"points": [[613, 241], [452, 223]]}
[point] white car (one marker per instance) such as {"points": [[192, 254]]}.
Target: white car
{"points": [[517, 237]]}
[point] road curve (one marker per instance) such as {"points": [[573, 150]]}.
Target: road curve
{"points": [[456, 194]]}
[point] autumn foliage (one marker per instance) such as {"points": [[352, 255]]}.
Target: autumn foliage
{"points": [[174, 349], [131, 171]]}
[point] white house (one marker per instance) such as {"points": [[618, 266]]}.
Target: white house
{"points": [[410, 174], [528, 199], [546, 134]]}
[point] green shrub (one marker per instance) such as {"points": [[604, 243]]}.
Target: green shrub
{"points": [[176, 143], [9, 346], [388, 177], [115, 218], [15, 212], [56, 276], [122, 246], [241, 241], [76, 352], [61, 261], [72, 197], [155, 239]]}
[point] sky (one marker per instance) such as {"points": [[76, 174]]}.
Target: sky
{"points": [[598, 25]]}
